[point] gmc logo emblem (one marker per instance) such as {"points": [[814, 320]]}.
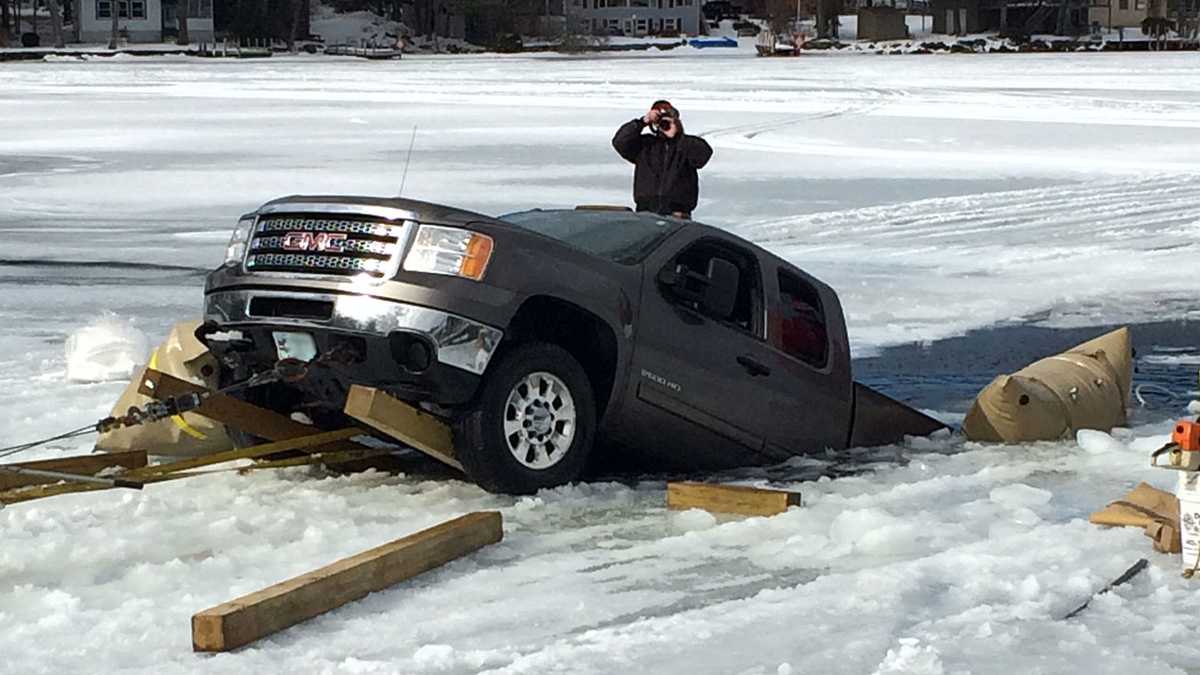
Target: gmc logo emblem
{"points": [[322, 242]]}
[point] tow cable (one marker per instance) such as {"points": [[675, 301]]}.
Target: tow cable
{"points": [[288, 371]]}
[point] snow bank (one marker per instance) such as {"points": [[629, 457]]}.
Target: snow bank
{"points": [[107, 349]]}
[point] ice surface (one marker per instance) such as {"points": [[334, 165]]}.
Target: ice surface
{"points": [[937, 194]]}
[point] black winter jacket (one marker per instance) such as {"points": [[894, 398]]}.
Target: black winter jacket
{"points": [[664, 180]]}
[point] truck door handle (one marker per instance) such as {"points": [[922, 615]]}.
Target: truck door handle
{"points": [[753, 365]]}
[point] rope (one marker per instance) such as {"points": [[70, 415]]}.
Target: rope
{"points": [[1171, 396], [14, 449]]}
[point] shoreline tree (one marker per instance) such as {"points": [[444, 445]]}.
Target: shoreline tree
{"points": [[115, 10], [56, 24], [183, 10], [5, 23]]}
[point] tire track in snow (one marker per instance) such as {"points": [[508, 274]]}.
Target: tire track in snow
{"points": [[1106, 209], [880, 98]]}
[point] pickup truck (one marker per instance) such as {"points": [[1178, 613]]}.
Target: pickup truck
{"points": [[546, 338]]}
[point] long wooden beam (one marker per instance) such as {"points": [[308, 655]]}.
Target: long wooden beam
{"points": [[157, 473], [239, 622], [739, 499], [312, 440], [403, 422], [84, 465]]}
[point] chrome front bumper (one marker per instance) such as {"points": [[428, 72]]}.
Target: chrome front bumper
{"points": [[460, 342]]}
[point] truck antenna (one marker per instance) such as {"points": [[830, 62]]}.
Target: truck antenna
{"points": [[407, 160]]}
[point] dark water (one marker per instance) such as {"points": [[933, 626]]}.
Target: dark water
{"points": [[947, 374]]}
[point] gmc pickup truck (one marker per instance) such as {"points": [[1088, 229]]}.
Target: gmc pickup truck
{"points": [[547, 336]]}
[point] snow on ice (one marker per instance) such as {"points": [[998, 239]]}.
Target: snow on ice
{"points": [[937, 194]]}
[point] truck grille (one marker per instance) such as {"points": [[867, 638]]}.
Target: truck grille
{"points": [[340, 245]]}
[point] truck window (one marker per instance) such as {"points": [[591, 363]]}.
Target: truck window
{"points": [[749, 296], [802, 332]]}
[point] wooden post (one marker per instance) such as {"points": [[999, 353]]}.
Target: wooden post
{"points": [[402, 421], [739, 499], [239, 622]]}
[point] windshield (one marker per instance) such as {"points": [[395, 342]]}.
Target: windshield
{"points": [[621, 236]]}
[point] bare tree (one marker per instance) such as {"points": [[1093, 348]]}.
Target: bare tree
{"points": [[827, 18], [297, 6], [183, 10], [5, 23], [115, 10], [56, 25]]}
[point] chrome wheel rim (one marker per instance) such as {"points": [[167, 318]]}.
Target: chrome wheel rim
{"points": [[539, 420]]}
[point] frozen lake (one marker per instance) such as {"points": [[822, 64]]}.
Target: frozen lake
{"points": [[938, 194]]}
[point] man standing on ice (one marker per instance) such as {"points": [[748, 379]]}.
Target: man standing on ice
{"points": [[666, 161]]}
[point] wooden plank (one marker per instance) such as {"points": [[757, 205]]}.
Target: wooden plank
{"points": [[155, 473], [739, 499], [84, 465], [325, 458], [234, 412], [304, 443], [403, 422], [239, 622]]}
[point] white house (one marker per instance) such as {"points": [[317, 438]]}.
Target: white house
{"points": [[143, 20], [635, 17]]}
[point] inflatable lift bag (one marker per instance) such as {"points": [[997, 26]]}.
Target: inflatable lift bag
{"points": [[1086, 387], [186, 435]]}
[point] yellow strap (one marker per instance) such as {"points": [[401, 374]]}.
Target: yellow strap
{"points": [[178, 419]]}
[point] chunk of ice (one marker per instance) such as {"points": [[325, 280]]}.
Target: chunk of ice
{"points": [[105, 350], [1020, 496], [1098, 442]]}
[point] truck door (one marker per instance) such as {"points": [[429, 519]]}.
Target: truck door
{"points": [[699, 378], [810, 384]]}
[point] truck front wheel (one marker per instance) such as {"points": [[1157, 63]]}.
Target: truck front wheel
{"points": [[533, 424]]}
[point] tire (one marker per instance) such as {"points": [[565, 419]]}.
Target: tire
{"points": [[533, 423]]}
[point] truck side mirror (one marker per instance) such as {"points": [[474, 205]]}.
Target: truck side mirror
{"points": [[682, 284], [720, 294]]}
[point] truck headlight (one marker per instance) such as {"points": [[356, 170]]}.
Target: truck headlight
{"points": [[237, 242], [449, 250]]}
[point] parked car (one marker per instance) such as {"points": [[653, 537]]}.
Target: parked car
{"points": [[747, 29], [546, 337]]}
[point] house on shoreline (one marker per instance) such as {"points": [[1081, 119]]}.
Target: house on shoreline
{"points": [[1065, 17], [143, 20], [635, 17]]}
